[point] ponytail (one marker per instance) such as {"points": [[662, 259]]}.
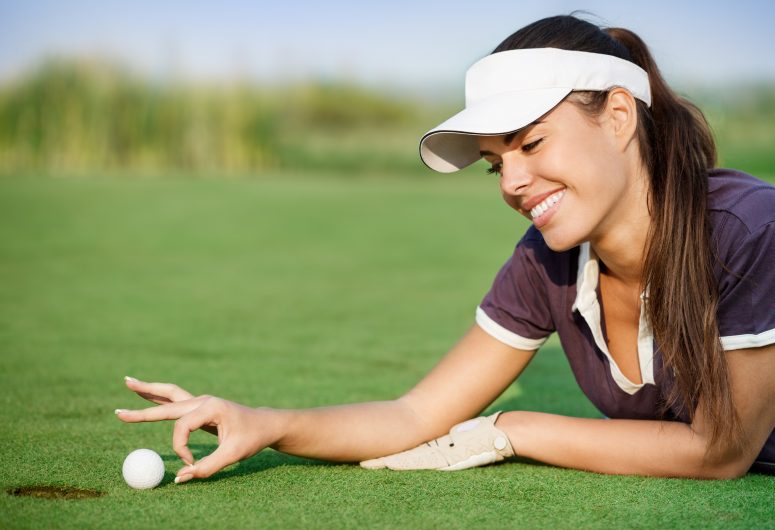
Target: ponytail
{"points": [[682, 297]]}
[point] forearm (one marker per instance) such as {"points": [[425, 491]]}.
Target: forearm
{"points": [[350, 433], [628, 447], [469, 377]]}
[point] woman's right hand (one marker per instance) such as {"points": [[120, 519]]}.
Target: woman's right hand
{"points": [[242, 431]]}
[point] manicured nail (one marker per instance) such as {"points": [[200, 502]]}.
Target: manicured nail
{"points": [[185, 474], [119, 411], [131, 379]]}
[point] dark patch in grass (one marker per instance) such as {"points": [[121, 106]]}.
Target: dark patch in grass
{"points": [[53, 492]]}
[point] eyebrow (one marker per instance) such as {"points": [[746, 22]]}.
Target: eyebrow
{"points": [[510, 137]]}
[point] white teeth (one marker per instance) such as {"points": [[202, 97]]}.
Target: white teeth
{"points": [[546, 204]]}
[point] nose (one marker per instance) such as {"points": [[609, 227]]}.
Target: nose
{"points": [[515, 177]]}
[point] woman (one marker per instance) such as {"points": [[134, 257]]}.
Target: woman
{"points": [[655, 270]]}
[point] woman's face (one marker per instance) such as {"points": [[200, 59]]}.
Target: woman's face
{"points": [[565, 172]]}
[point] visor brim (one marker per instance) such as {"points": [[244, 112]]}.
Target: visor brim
{"points": [[453, 145]]}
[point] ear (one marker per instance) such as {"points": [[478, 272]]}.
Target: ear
{"points": [[622, 113]]}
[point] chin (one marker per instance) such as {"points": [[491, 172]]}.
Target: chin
{"points": [[560, 243]]}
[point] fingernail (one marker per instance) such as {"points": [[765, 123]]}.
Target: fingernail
{"points": [[185, 474], [132, 379], [119, 411]]}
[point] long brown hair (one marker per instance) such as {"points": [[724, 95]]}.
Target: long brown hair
{"points": [[677, 149]]}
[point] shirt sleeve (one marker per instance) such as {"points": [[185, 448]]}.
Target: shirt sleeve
{"points": [[516, 310], [746, 310]]}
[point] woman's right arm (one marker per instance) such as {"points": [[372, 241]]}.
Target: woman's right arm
{"points": [[470, 377]]}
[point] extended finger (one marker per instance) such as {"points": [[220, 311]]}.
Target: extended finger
{"points": [[157, 392], [169, 411]]}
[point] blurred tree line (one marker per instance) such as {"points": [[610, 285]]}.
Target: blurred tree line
{"points": [[71, 116], [78, 116], [743, 123]]}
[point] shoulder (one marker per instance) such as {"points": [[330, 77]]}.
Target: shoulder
{"points": [[741, 212], [742, 218], [528, 292], [738, 200]]}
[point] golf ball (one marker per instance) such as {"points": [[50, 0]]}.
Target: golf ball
{"points": [[143, 469]]}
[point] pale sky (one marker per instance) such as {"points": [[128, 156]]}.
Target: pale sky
{"points": [[403, 43]]}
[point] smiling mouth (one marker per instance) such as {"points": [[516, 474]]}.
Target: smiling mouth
{"points": [[544, 206]]}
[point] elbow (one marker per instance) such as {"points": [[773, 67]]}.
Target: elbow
{"points": [[726, 471], [725, 463]]}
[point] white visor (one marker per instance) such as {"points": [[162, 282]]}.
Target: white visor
{"points": [[509, 90]]}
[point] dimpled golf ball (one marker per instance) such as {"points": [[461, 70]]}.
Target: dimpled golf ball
{"points": [[143, 469]]}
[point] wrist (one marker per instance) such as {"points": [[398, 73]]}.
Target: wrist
{"points": [[513, 424], [277, 422]]}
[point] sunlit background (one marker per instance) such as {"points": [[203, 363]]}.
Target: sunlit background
{"points": [[228, 196], [241, 87]]}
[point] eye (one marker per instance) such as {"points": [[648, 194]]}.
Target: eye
{"points": [[496, 168], [526, 148]]}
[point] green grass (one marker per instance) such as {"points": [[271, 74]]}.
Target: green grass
{"points": [[286, 292]]}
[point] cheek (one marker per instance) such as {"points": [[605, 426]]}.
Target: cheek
{"points": [[566, 155], [585, 166]]}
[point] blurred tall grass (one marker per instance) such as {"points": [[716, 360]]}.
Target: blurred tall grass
{"points": [[71, 116]]}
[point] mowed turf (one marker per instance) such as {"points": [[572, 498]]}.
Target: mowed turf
{"points": [[286, 292]]}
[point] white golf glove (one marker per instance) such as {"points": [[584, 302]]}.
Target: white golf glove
{"points": [[475, 442]]}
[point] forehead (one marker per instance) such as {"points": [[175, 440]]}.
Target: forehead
{"points": [[562, 117]]}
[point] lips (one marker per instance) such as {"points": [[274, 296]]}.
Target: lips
{"points": [[547, 203], [532, 202]]}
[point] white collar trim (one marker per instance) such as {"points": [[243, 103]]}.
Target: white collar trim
{"points": [[588, 306]]}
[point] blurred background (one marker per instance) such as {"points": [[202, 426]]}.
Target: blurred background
{"points": [[247, 88], [228, 196]]}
